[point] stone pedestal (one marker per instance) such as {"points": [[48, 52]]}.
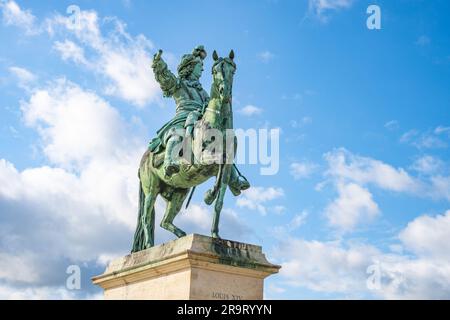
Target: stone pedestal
{"points": [[192, 267]]}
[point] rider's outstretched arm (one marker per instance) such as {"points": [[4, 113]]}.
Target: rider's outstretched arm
{"points": [[166, 79]]}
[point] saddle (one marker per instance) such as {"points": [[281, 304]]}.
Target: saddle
{"points": [[157, 158]]}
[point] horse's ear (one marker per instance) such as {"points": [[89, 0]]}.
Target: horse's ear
{"points": [[215, 56], [231, 54]]}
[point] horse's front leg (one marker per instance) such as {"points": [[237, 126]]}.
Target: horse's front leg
{"points": [[219, 201], [211, 194]]}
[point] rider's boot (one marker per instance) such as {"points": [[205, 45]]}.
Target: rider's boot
{"points": [[170, 166]]}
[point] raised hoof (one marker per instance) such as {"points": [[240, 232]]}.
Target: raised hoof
{"points": [[236, 188], [209, 197], [235, 191], [244, 185]]}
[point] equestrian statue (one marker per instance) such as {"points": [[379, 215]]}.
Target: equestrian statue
{"points": [[196, 144]]}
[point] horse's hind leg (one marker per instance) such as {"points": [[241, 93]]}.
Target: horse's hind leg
{"points": [[217, 209], [150, 186], [173, 208], [148, 220]]}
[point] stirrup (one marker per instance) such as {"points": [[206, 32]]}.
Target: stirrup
{"points": [[171, 169]]}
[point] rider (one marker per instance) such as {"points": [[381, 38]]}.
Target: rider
{"points": [[190, 99]]}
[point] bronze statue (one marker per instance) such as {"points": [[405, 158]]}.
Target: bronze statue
{"points": [[192, 147]]}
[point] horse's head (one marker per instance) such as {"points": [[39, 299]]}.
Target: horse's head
{"points": [[211, 137], [223, 72]]}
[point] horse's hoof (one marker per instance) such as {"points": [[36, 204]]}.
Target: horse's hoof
{"points": [[238, 186], [171, 169], [215, 235], [179, 233], [235, 191], [244, 185], [148, 246]]}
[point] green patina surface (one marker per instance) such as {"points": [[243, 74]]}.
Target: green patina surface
{"points": [[162, 171]]}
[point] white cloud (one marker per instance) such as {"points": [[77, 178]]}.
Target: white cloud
{"points": [[296, 96], [88, 195], [127, 3], [324, 266], [339, 267], [52, 216], [83, 131], [351, 175], [424, 140], [404, 278], [440, 187], [266, 56], [279, 209], [301, 170], [427, 275], [408, 135], [71, 51], [428, 236], [13, 15], [442, 129], [321, 7], [250, 110], [298, 124], [18, 268], [256, 197], [9, 292], [75, 125], [428, 141], [427, 164], [391, 125], [298, 220], [295, 223], [275, 289], [24, 76], [198, 219], [345, 166], [121, 59], [353, 206]]}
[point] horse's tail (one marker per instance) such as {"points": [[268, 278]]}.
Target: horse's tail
{"points": [[138, 242]]}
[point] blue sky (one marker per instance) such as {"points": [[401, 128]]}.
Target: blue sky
{"points": [[364, 176]]}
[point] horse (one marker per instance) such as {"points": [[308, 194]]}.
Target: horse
{"points": [[174, 189]]}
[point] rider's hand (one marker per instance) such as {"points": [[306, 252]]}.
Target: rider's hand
{"points": [[157, 56], [157, 60]]}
